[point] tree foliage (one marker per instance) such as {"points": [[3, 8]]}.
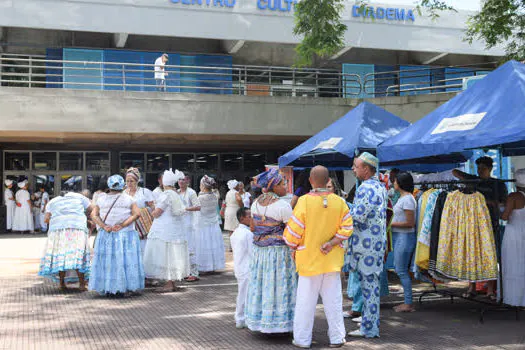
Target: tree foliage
{"points": [[320, 23], [500, 22]]}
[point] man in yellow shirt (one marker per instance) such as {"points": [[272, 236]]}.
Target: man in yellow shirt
{"points": [[320, 222]]}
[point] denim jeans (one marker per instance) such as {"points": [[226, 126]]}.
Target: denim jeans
{"points": [[404, 247]]}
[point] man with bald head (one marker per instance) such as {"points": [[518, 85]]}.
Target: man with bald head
{"points": [[366, 249], [320, 223]]}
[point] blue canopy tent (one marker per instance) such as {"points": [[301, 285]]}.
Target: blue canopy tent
{"points": [[361, 129], [490, 114]]}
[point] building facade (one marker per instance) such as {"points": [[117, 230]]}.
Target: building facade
{"points": [[79, 100]]}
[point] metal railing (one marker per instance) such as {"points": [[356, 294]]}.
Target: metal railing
{"points": [[37, 71], [421, 80], [240, 80]]}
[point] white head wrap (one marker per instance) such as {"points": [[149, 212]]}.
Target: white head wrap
{"points": [[520, 177], [22, 184], [170, 178], [8, 182], [232, 184]]}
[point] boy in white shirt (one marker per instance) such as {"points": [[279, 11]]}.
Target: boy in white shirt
{"points": [[241, 242]]}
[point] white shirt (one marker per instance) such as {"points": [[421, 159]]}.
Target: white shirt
{"points": [[8, 194], [241, 241], [246, 196], [407, 202], [142, 196], [159, 68]]}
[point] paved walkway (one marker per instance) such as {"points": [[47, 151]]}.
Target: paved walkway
{"points": [[35, 315]]}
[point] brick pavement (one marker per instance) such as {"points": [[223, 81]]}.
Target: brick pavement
{"points": [[35, 315]]}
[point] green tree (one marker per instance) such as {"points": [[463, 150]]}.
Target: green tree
{"points": [[500, 21], [320, 24]]}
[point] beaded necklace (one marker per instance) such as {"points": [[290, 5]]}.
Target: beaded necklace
{"points": [[263, 197], [325, 198]]}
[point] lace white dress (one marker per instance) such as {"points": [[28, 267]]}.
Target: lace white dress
{"points": [[513, 259], [209, 243], [166, 256]]}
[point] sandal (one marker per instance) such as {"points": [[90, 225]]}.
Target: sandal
{"points": [[192, 279], [469, 295], [492, 297]]}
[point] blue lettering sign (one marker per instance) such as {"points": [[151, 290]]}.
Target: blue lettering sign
{"points": [[411, 16], [276, 5], [356, 11], [199, 2], [262, 4], [186, 2], [400, 14], [390, 13], [216, 2], [370, 12], [380, 13]]}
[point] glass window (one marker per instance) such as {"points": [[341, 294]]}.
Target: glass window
{"points": [[128, 160], [254, 163], [231, 161], [71, 161], [97, 161], [17, 161], [183, 162], [71, 183], [152, 180], [97, 182], [44, 161], [158, 162], [48, 181], [207, 161]]}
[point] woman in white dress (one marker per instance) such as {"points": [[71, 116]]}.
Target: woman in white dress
{"points": [[23, 220], [144, 199], [209, 241], [233, 202], [35, 209], [166, 256], [44, 199], [245, 196], [190, 221], [9, 200], [513, 247]]}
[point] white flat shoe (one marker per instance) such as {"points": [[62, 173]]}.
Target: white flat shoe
{"points": [[357, 319], [300, 346], [240, 325], [357, 333]]}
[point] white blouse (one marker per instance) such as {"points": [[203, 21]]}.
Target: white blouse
{"points": [[121, 209]]}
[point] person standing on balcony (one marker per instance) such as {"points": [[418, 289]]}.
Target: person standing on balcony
{"points": [[160, 72]]}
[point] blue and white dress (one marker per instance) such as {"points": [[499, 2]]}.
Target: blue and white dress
{"points": [[366, 248], [67, 245], [117, 262], [272, 288]]}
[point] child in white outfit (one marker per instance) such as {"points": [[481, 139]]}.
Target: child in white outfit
{"points": [[241, 242]]}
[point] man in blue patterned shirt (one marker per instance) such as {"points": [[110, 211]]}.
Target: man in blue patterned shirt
{"points": [[367, 245]]}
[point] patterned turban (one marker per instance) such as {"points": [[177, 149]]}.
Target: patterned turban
{"points": [[268, 179], [116, 182], [369, 159], [208, 182], [133, 172]]}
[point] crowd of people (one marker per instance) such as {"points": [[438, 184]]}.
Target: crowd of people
{"points": [[286, 254]]}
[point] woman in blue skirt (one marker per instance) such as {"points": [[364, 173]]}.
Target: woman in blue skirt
{"points": [[273, 279], [117, 264]]}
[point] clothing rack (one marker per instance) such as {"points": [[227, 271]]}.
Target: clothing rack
{"points": [[471, 185]]}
